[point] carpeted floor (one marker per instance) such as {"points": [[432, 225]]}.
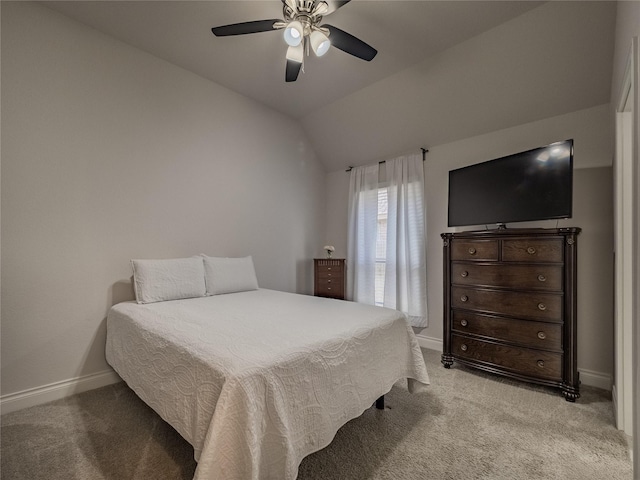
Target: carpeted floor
{"points": [[469, 425]]}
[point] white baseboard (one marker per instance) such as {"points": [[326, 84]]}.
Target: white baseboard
{"points": [[429, 342], [595, 379], [614, 399], [55, 391]]}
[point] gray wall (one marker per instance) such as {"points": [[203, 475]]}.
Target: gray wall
{"points": [[627, 27], [552, 60], [593, 212], [109, 154]]}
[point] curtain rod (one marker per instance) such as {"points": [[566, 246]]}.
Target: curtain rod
{"points": [[424, 157]]}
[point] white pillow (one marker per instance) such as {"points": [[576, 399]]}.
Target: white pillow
{"points": [[229, 275], [170, 279]]}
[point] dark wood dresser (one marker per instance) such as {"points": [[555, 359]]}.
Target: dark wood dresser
{"points": [[330, 277], [510, 304]]}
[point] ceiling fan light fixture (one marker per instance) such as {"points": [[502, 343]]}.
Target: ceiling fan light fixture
{"points": [[301, 25], [295, 54], [294, 33], [319, 43]]}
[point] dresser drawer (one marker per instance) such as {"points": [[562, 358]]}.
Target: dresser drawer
{"points": [[524, 277], [329, 288], [326, 284], [533, 305], [334, 273], [527, 361], [474, 250], [330, 270], [546, 336], [532, 250]]}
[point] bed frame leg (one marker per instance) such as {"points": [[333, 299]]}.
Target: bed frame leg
{"points": [[380, 403]]}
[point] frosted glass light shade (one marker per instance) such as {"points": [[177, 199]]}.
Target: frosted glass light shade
{"points": [[295, 54], [293, 33], [319, 43]]}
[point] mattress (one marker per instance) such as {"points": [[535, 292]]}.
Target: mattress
{"points": [[257, 380]]}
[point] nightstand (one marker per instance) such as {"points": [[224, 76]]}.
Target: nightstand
{"points": [[329, 277]]}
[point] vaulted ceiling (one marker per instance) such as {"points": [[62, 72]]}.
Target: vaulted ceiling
{"points": [[445, 70]]}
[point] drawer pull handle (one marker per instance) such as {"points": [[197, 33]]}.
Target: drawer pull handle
{"points": [[328, 281], [463, 347], [542, 306], [464, 323], [540, 363], [531, 250], [328, 288], [542, 278], [472, 251], [464, 274], [328, 268], [542, 335], [464, 298]]}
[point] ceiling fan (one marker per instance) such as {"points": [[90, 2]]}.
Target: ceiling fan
{"points": [[302, 30]]}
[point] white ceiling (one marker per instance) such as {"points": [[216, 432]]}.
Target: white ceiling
{"points": [[403, 32], [445, 70]]}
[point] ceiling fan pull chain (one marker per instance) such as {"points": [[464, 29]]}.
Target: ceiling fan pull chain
{"points": [[306, 45]]}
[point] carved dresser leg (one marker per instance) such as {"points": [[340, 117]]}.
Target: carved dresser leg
{"points": [[447, 360]]}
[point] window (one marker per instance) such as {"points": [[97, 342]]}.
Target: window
{"points": [[386, 249], [381, 245]]}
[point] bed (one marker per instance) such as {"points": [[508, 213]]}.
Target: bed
{"points": [[256, 380]]}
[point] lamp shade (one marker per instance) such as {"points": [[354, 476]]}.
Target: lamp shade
{"points": [[295, 54], [293, 33], [319, 43]]}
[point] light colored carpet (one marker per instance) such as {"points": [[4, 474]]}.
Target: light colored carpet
{"points": [[469, 425]]}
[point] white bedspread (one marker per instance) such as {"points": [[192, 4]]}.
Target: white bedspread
{"points": [[257, 380]]}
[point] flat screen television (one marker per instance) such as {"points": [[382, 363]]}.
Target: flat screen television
{"points": [[527, 186]]}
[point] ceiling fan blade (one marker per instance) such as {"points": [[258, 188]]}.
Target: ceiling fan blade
{"points": [[335, 5], [348, 43], [245, 28], [293, 69]]}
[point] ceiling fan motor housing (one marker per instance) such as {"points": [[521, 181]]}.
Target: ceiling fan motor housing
{"points": [[307, 12], [306, 5]]}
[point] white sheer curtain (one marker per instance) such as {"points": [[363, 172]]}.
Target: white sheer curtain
{"points": [[361, 248], [405, 283], [402, 179]]}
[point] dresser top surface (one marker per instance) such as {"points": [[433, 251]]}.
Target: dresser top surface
{"points": [[513, 232]]}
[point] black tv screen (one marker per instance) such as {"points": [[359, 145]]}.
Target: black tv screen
{"points": [[527, 186]]}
